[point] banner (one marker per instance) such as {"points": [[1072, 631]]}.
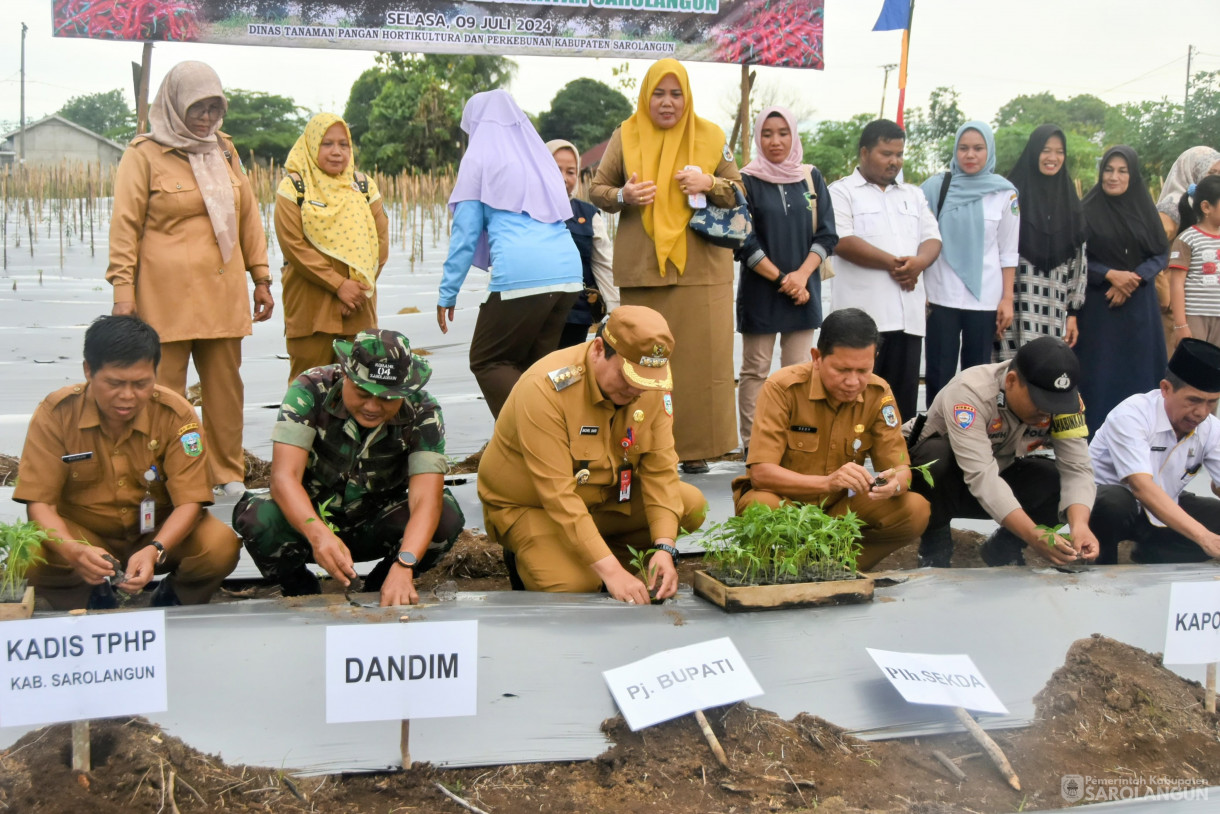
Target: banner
{"points": [[785, 33]]}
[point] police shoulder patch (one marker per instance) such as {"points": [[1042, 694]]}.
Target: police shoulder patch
{"points": [[964, 415]]}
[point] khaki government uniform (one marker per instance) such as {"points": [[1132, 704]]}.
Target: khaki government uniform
{"points": [[697, 304], [164, 258], [556, 423], [992, 439], [99, 497], [313, 314], [798, 426]]}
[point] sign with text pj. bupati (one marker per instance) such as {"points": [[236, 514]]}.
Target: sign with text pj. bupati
{"points": [[682, 680], [72, 668], [947, 681], [1193, 633], [757, 32], [395, 671]]}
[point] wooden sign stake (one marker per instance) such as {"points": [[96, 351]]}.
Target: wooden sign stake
{"points": [[1210, 688], [82, 760], [712, 741], [989, 746], [404, 739]]}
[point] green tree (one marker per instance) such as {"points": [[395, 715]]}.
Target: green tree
{"points": [[414, 120], [264, 124], [106, 114], [832, 146], [585, 112], [930, 135], [359, 101], [1083, 114]]}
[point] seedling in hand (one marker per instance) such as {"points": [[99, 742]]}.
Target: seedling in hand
{"points": [[324, 513], [923, 469], [639, 561]]}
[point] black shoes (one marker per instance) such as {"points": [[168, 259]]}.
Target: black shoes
{"points": [[300, 582], [1002, 548], [936, 548]]}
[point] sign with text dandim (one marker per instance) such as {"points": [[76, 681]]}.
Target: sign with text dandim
{"points": [[786, 33], [393, 671], [73, 668]]}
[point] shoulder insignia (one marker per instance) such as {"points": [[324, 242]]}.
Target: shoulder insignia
{"points": [[565, 377], [963, 415], [1014, 204], [1069, 426], [192, 444], [890, 415], [194, 425], [888, 398], [728, 154]]}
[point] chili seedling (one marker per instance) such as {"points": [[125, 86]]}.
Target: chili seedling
{"points": [[923, 469]]}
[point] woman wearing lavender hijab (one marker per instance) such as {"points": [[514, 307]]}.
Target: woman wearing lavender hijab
{"points": [[509, 207]]}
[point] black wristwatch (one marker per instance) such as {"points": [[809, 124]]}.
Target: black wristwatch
{"points": [[779, 281], [160, 551], [668, 549], [407, 560]]}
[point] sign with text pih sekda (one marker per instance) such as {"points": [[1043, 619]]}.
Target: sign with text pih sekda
{"points": [[785, 33]]}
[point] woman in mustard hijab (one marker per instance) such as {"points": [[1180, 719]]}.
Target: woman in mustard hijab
{"points": [[334, 234], [657, 158]]}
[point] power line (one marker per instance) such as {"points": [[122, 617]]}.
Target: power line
{"points": [[1146, 73]]}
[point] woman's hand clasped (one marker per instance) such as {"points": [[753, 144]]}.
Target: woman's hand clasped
{"points": [[639, 193]]}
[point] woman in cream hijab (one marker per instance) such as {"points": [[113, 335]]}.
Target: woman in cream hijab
{"points": [[184, 233], [653, 162], [333, 231]]}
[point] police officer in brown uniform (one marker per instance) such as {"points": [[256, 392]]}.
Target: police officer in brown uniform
{"points": [[814, 426], [116, 468], [582, 464]]}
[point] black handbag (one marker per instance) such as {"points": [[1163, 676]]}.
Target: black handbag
{"points": [[728, 228]]}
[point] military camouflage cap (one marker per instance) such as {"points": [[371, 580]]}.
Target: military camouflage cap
{"points": [[381, 363], [641, 337]]}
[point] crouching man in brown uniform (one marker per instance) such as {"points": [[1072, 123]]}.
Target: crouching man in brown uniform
{"points": [[816, 423], [582, 464], [116, 468]]}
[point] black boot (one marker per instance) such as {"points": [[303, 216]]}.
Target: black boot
{"points": [[300, 582], [164, 596], [102, 597], [1002, 548], [936, 548]]}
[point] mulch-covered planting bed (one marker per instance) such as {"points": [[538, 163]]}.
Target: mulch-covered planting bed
{"points": [[1112, 711]]}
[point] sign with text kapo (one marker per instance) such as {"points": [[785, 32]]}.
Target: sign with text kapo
{"points": [[1192, 635], [941, 680], [73, 668], [394, 672], [679, 681]]}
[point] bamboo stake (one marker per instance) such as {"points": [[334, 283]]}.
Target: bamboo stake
{"points": [[1210, 686], [989, 746], [712, 741], [473, 809], [82, 761], [404, 739], [953, 768]]}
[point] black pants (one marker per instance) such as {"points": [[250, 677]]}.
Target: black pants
{"points": [[1117, 516], [574, 334], [951, 330], [1034, 482], [898, 363]]}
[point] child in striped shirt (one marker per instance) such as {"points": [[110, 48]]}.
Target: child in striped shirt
{"points": [[1194, 266]]}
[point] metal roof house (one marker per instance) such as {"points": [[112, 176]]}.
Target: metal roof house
{"points": [[54, 139]]}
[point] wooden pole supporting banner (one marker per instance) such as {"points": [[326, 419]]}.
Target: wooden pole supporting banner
{"points": [[142, 90], [989, 746], [82, 760]]}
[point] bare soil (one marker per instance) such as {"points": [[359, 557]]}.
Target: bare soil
{"points": [[1111, 711]]}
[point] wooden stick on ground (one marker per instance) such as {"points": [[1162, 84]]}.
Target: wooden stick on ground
{"points": [[712, 741], [1210, 685], [989, 746], [953, 768], [471, 808], [82, 761], [404, 739]]}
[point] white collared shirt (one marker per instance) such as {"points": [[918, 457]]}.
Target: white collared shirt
{"points": [[1137, 438], [895, 219], [1001, 233]]}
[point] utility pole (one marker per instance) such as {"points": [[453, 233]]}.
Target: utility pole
{"points": [[1190, 50], [885, 83], [24, 28]]}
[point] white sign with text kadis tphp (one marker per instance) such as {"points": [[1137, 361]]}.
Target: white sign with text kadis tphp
{"points": [[685, 679], [393, 672], [942, 680], [1192, 635], [74, 668]]}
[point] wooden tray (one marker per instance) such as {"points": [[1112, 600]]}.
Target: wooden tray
{"points": [[18, 610], [776, 597]]}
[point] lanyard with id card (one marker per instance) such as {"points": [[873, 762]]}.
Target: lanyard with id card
{"points": [[624, 471], [148, 506]]}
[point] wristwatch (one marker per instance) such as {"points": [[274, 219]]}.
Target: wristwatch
{"points": [[407, 560], [160, 551], [668, 549], [620, 196]]}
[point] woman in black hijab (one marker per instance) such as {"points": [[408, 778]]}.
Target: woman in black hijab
{"points": [[1121, 346], [1050, 283]]}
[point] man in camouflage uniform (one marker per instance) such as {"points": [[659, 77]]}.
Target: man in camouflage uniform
{"points": [[362, 443]]}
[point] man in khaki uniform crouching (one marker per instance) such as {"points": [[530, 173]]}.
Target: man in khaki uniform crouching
{"points": [[816, 423], [582, 464]]}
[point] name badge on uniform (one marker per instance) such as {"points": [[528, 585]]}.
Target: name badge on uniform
{"points": [[76, 456], [624, 483], [148, 515], [802, 428], [589, 430]]}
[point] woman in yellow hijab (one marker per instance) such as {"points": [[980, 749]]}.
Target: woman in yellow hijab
{"points": [[334, 234], [656, 164]]}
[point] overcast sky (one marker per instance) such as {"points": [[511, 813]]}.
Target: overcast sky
{"points": [[989, 50]]}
